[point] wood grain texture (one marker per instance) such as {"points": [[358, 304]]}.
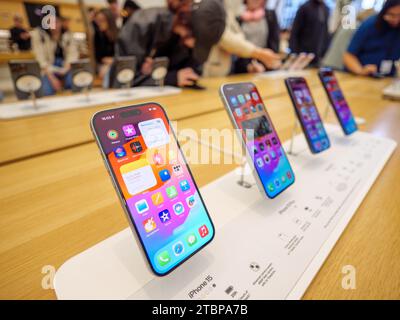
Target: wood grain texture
{"points": [[58, 204]]}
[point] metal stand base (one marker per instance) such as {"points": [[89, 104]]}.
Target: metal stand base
{"points": [[294, 132], [327, 111], [86, 91], [242, 182], [160, 83], [33, 97]]}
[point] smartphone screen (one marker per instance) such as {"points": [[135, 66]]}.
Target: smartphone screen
{"points": [[154, 183], [308, 115], [248, 113], [338, 101]]}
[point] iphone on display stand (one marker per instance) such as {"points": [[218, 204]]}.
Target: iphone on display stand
{"points": [[122, 72], [27, 79], [155, 185], [160, 70], [82, 76], [307, 114], [264, 150], [337, 100]]}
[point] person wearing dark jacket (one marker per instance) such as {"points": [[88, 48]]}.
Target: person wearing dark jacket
{"points": [[19, 35], [260, 27], [310, 29], [105, 37], [375, 47], [180, 32], [128, 9]]}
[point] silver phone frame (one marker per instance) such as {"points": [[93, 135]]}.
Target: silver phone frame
{"points": [[123, 202]]}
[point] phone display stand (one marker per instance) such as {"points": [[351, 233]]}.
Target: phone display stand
{"points": [[392, 91], [327, 111], [294, 132], [158, 75], [65, 103], [29, 84], [33, 99], [244, 170], [263, 248], [86, 92], [160, 83], [124, 90], [84, 81], [125, 78]]}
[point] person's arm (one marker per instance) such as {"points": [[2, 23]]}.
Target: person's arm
{"points": [[185, 74], [350, 57], [353, 65], [185, 77], [234, 42]]}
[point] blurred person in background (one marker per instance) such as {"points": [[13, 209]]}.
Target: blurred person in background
{"points": [[340, 42], [65, 24], [128, 9], [54, 50], [376, 44], [233, 43], [184, 32], [105, 37], [260, 27], [19, 36], [115, 9], [91, 14], [310, 30]]}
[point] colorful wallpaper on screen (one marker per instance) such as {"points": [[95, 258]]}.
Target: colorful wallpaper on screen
{"points": [[160, 193], [264, 145], [342, 109], [312, 124]]}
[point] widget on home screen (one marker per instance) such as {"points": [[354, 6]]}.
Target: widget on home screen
{"points": [[158, 189], [339, 102], [262, 141], [309, 117]]}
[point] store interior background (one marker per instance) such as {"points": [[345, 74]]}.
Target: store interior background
{"points": [[285, 10], [67, 8]]}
